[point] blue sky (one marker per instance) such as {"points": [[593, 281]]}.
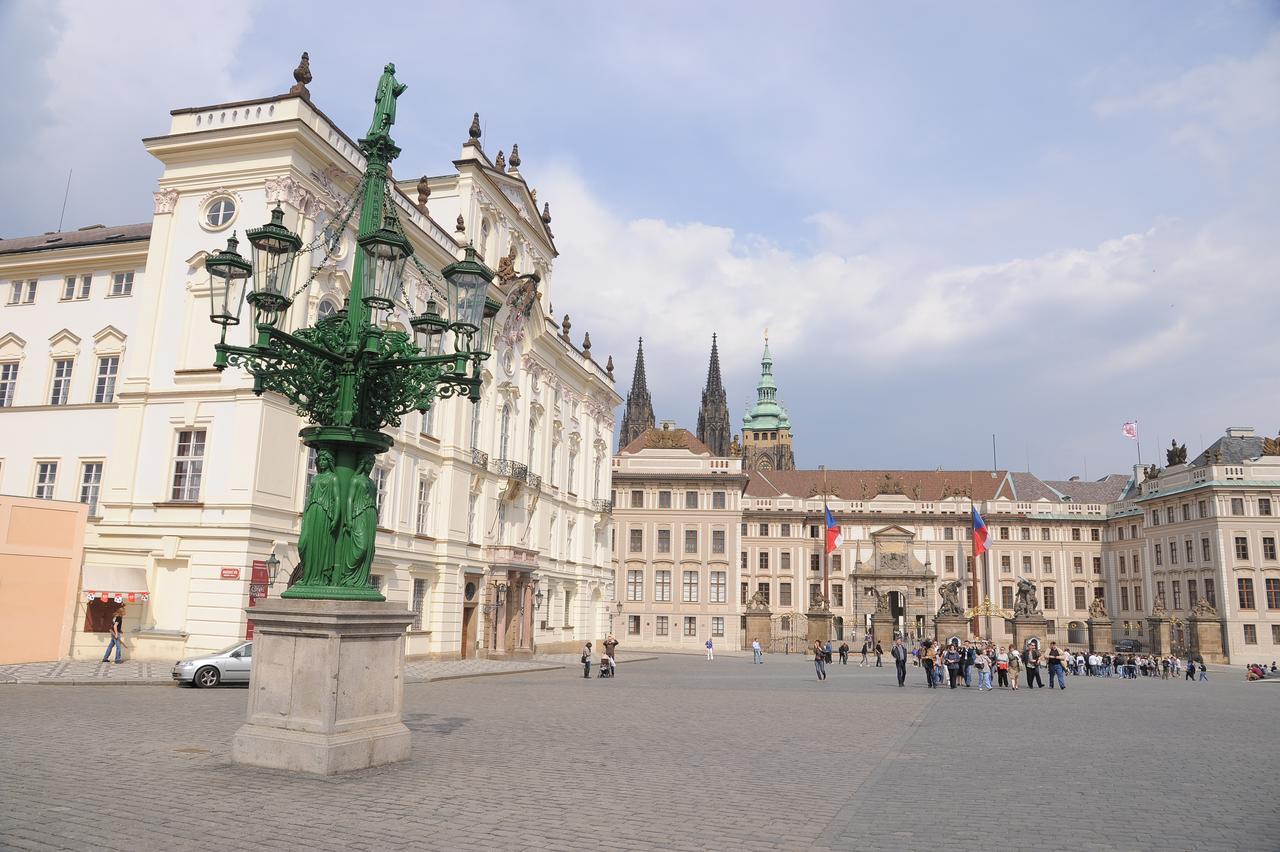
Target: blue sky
{"points": [[1032, 219]]}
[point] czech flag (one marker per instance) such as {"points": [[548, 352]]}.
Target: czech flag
{"points": [[835, 538], [981, 537]]}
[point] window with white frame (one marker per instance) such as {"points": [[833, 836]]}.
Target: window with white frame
{"points": [[76, 289], [381, 476], [104, 386], [661, 626], [635, 585], [428, 426], [691, 541], [664, 540], [122, 284], [46, 480], [419, 602], [719, 587], [219, 212], [424, 507], [60, 386], [533, 436], [471, 517], [188, 466], [717, 625], [8, 382], [689, 588], [475, 426], [573, 465], [690, 625], [22, 292], [504, 431], [718, 499], [717, 541], [312, 470], [662, 586], [90, 485], [551, 468]]}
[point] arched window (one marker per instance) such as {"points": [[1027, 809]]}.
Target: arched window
{"points": [[504, 440], [325, 309], [475, 425], [533, 434]]}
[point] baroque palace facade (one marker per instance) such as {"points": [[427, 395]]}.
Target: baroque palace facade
{"points": [[1182, 557], [493, 519]]}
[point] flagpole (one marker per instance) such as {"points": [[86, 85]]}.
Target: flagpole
{"points": [[826, 591], [973, 571], [1137, 439]]}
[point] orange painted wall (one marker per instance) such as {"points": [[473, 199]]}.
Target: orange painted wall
{"points": [[41, 550]]}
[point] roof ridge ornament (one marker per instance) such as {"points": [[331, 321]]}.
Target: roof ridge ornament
{"points": [[301, 77], [500, 162], [473, 132], [515, 157]]}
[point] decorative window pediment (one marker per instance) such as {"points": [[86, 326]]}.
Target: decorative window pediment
{"points": [[64, 343], [12, 347], [109, 341]]}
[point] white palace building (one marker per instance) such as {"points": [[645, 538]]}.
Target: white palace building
{"points": [[494, 519]]}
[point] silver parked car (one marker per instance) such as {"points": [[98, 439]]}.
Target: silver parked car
{"points": [[228, 666]]}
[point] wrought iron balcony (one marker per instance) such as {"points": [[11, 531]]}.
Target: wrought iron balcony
{"points": [[535, 482], [479, 459], [510, 469], [603, 506]]}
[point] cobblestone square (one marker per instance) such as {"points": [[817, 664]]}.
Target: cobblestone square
{"points": [[675, 753]]}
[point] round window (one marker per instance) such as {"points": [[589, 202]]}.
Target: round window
{"points": [[326, 309], [220, 212], [470, 591]]}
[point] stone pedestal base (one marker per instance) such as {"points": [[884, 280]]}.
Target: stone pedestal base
{"points": [[1100, 638], [882, 627], [1206, 638], [948, 627], [326, 688], [817, 627], [1158, 631], [1026, 628], [759, 626]]}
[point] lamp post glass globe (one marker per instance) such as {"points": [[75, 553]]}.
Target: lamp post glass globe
{"points": [[275, 248], [429, 328], [468, 283], [273, 568], [386, 253], [228, 273], [483, 345]]}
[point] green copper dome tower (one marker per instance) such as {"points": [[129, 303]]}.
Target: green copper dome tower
{"points": [[766, 428]]}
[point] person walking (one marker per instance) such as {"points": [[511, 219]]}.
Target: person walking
{"points": [[117, 635], [1191, 670], [711, 654], [844, 653], [826, 651], [757, 655], [1001, 664], [1015, 668], [928, 657], [966, 663], [952, 658], [900, 661], [1056, 665], [1032, 660], [819, 659], [879, 655], [1204, 672], [586, 660], [982, 664], [866, 646]]}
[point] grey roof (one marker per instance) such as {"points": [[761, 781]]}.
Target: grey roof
{"points": [[1028, 488], [1234, 450], [93, 235], [1108, 489]]}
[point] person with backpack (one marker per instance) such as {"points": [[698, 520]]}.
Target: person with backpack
{"points": [[586, 660], [1001, 663], [1032, 659], [982, 664], [844, 653], [866, 646], [879, 656], [952, 659]]}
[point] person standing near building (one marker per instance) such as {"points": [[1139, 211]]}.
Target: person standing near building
{"points": [[879, 656], [982, 664], [819, 659], [1032, 659], [757, 655], [900, 661], [1001, 663], [117, 635], [866, 646], [1191, 669], [586, 660], [1204, 672], [844, 653], [1015, 668], [1056, 666], [952, 658], [928, 656]]}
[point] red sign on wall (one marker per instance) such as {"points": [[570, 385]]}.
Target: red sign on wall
{"points": [[231, 573], [259, 580]]}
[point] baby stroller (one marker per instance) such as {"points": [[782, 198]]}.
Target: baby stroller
{"points": [[606, 667]]}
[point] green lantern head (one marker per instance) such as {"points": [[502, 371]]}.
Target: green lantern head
{"points": [[228, 272], [386, 252], [274, 249], [468, 285], [429, 328]]}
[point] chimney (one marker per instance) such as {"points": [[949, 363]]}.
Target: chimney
{"points": [[1239, 431], [1139, 474]]}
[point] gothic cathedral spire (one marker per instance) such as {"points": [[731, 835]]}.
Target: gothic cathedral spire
{"points": [[713, 417], [639, 415]]}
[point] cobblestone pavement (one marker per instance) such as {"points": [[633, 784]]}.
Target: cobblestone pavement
{"points": [[143, 673], [674, 753]]}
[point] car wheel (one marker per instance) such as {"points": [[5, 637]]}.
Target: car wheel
{"points": [[207, 676]]}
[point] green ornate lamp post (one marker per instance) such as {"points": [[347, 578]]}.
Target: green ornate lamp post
{"points": [[347, 375]]}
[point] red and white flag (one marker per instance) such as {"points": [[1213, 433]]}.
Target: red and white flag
{"points": [[1131, 429]]}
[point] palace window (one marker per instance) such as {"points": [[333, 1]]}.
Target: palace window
{"points": [[1244, 586], [219, 212], [1155, 517], [1047, 564], [419, 602], [743, 589], [637, 499], [1050, 597], [662, 586], [1079, 597], [1122, 565], [717, 625], [1168, 514], [950, 563], [1191, 551], [1209, 594], [784, 561], [381, 476], [784, 594], [1137, 598], [742, 562], [661, 626], [690, 625], [1044, 533], [1191, 593], [122, 284], [1205, 550], [636, 539], [1075, 534], [1006, 564], [689, 588], [763, 588], [1273, 593], [1097, 564], [718, 502], [1124, 597], [948, 533], [1024, 533], [1095, 534], [70, 291], [1242, 547], [20, 294], [1264, 505], [835, 562], [1006, 597], [719, 587], [188, 466], [1159, 554], [633, 625], [1268, 547], [1177, 594], [1250, 634], [46, 479], [1186, 511], [104, 387], [635, 585], [1077, 564], [837, 594], [8, 382], [785, 532], [60, 387], [764, 530], [424, 507], [1237, 505], [90, 485], [815, 591], [664, 540], [717, 541], [664, 499], [691, 499], [1173, 553], [815, 562]]}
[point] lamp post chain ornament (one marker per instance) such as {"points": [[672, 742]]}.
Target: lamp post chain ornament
{"points": [[347, 375]]}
